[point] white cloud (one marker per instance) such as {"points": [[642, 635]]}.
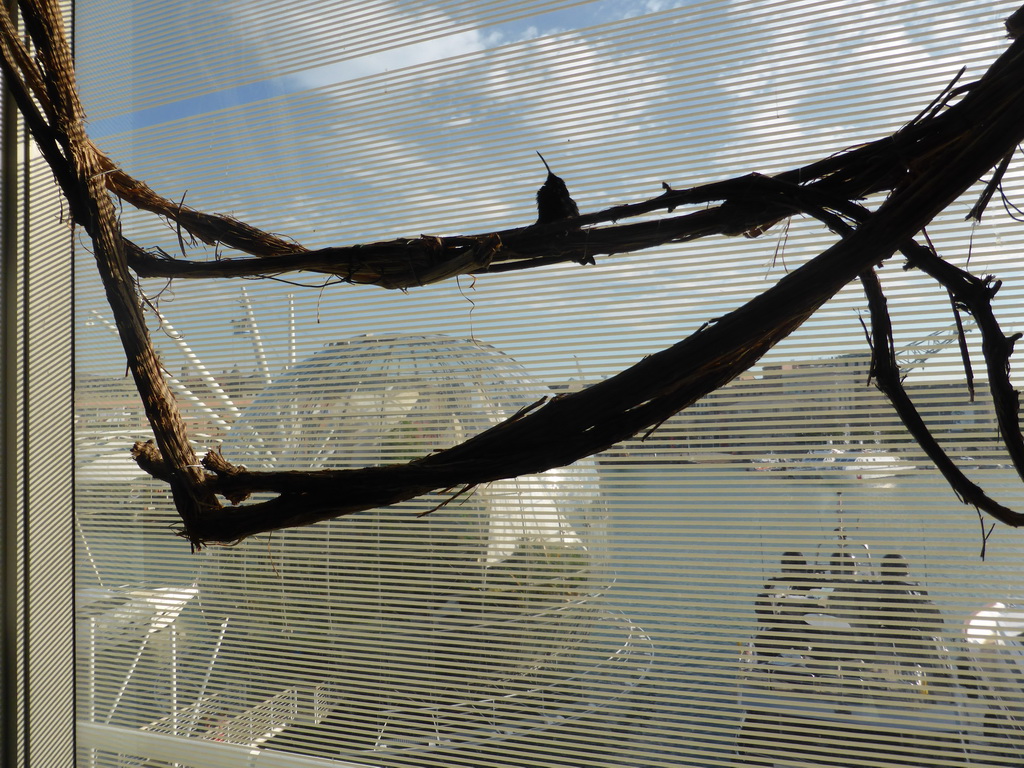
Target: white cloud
{"points": [[341, 42], [421, 52], [813, 74]]}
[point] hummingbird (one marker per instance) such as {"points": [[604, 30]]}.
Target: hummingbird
{"points": [[553, 200], [554, 203]]}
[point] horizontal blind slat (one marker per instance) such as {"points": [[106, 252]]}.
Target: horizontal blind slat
{"points": [[636, 608]]}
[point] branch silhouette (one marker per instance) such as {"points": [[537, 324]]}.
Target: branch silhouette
{"points": [[922, 168]]}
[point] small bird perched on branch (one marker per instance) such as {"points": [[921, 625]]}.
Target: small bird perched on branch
{"points": [[553, 200], [554, 203]]}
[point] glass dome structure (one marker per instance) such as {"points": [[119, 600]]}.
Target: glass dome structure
{"points": [[473, 599]]}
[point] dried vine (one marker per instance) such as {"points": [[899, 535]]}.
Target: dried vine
{"points": [[966, 131], [62, 139]]}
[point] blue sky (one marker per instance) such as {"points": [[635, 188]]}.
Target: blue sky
{"points": [[261, 82], [715, 90]]}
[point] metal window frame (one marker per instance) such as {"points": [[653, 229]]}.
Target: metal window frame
{"points": [[37, 681]]}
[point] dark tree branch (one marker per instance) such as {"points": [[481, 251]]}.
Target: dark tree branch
{"points": [[80, 173], [644, 395], [923, 167], [751, 204], [976, 294], [961, 340], [886, 374], [993, 184]]}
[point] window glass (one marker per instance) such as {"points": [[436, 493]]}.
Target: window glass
{"points": [[777, 576]]}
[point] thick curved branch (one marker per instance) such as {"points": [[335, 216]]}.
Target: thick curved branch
{"points": [[926, 165], [750, 205], [81, 171], [410, 262], [648, 392], [664, 383]]}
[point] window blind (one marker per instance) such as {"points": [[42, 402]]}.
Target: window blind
{"points": [[777, 576], [36, 493]]}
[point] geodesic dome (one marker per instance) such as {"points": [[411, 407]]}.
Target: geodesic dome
{"points": [[509, 570]]}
